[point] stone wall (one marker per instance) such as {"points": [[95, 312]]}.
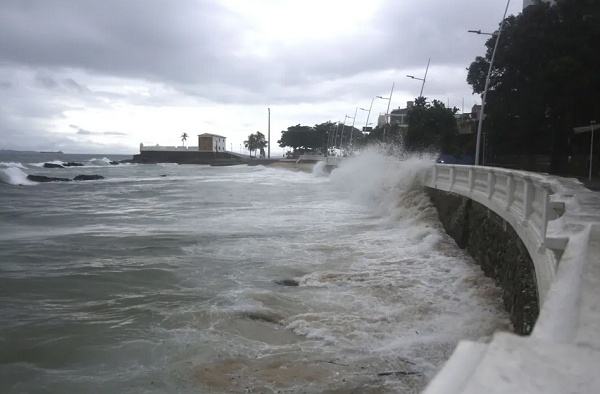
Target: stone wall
{"points": [[497, 248], [181, 157]]}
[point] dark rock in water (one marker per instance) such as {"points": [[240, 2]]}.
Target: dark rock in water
{"points": [[72, 164], [263, 316], [164, 175], [287, 282], [52, 165], [88, 177], [42, 178], [114, 163]]}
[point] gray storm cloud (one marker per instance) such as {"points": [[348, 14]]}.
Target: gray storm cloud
{"points": [[197, 49]]}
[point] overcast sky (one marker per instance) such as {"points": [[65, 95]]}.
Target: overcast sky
{"points": [[90, 76]]}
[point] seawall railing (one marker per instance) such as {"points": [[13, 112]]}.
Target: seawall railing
{"points": [[520, 198], [558, 221]]}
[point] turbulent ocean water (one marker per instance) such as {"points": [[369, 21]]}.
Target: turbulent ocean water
{"points": [[167, 279]]}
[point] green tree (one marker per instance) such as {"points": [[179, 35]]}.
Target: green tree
{"points": [[431, 127], [322, 136], [184, 138], [251, 143], [261, 142], [544, 81], [298, 136]]}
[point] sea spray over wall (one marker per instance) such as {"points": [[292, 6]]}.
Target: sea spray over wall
{"points": [[391, 181]]}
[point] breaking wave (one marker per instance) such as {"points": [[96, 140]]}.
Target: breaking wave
{"points": [[14, 176], [13, 164]]}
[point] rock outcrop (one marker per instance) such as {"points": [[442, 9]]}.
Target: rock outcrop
{"points": [[52, 165], [42, 178], [88, 177]]}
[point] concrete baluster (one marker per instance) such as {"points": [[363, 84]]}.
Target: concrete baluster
{"points": [[471, 179], [491, 183], [435, 174], [510, 191], [452, 176], [545, 214], [528, 194]]}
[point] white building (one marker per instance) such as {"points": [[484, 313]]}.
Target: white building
{"points": [[527, 3], [211, 143]]}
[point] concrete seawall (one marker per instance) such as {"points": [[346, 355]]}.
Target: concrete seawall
{"points": [[511, 222], [182, 157], [497, 248]]}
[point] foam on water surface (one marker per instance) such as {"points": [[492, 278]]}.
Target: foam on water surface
{"points": [[170, 284], [14, 176]]}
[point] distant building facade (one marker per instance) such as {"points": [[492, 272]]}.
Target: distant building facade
{"points": [[211, 143], [468, 122], [397, 116]]}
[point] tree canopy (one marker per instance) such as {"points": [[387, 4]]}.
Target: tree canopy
{"points": [[431, 127], [544, 80], [255, 142], [322, 136]]}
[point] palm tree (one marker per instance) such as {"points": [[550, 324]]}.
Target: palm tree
{"points": [[250, 143], [184, 138], [261, 142]]}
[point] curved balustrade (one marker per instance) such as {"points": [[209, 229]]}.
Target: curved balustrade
{"points": [[522, 199], [558, 221]]}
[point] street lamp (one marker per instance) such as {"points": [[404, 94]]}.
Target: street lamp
{"points": [[592, 124], [487, 82], [342, 133], [389, 99], [269, 133], [369, 114], [422, 79], [353, 121]]}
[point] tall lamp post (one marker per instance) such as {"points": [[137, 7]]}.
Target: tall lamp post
{"points": [[369, 114], [334, 136], [389, 99], [342, 133], [353, 121], [487, 81], [592, 124], [269, 133], [422, 79]]}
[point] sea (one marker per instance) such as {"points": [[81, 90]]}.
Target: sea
{"points": [[244, 279]]}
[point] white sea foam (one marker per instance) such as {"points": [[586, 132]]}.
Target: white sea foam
{"points": [[14, 176], [382, 288], [380, 281], [59, 162], [13, 164], [102, 161], [319, 169]]}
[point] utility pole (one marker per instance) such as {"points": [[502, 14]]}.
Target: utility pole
{"points": [[269, 133]]}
